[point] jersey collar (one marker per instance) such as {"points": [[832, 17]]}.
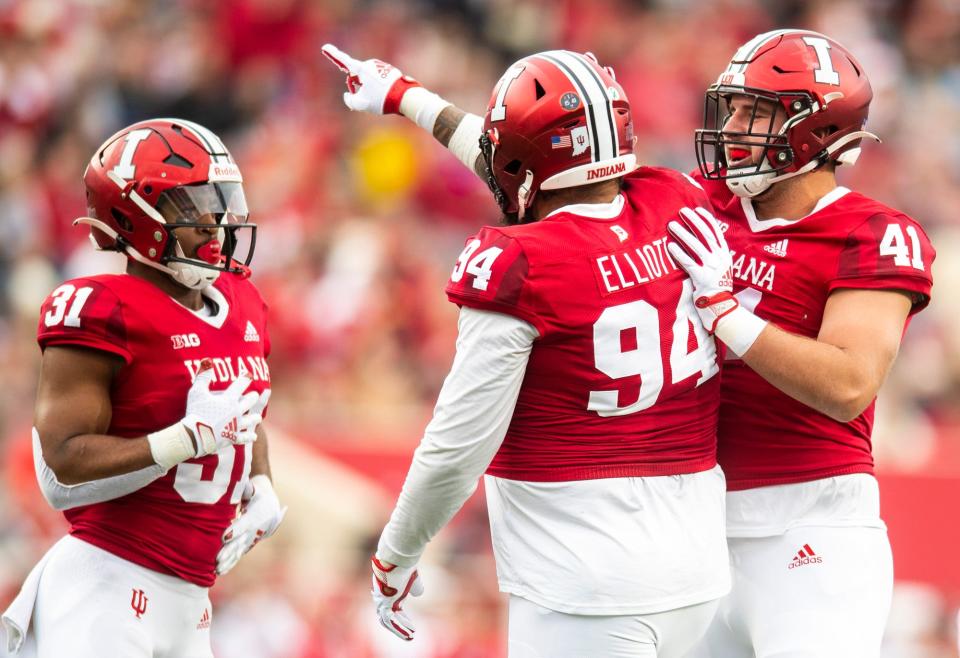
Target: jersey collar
{"points": [[223, 308], [758, 225], [609, 210]]}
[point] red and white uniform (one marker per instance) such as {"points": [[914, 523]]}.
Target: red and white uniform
{"points": [[584, 387], [174, 524], [785, 271], [610, 315], [812, 566]]}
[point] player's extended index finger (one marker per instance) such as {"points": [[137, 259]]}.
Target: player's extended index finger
{"points": [[341, 59]]}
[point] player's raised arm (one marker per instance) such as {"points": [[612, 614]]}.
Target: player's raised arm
{"points": [[377, 87]]}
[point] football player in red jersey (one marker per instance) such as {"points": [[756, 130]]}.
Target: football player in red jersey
{"points": [[584, 385], [152, 389], [826, 281], [811, 560]]}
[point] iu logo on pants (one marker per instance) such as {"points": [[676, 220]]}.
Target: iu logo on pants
{"points": [[138, 602]]}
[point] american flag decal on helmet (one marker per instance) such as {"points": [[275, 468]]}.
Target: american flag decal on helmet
{"points": [[604, 142]]}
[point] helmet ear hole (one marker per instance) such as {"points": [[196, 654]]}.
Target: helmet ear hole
{"points": [[825, 131], [122, 221], [513, 167]]}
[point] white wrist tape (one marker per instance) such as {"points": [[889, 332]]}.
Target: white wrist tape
{"points": [[465, 141], [422, 107], [739, 329], [171, 445]]}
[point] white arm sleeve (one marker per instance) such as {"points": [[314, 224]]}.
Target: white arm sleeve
{"points": [[469, 422], [65, 496], [465, 141]]}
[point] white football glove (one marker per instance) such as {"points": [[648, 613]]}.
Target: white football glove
{"points": [[260, 516], [223, 418], [372, 85], [391, 585], [699, 247], [213, 420]]}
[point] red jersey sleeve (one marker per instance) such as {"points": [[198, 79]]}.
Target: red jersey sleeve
{"points": [[492, 273], [84, 313], [887, 251]]}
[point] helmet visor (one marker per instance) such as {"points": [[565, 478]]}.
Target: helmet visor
{"points": [[190, 204], [201, 206]]}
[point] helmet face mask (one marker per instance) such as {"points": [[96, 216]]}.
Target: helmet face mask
{"points": [[765, 129], [818, 90], [153, 181], [487, 147], [203, 206]]}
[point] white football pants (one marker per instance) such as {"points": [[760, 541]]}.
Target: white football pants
{"points": [[537, 632], [812, 592], [93, 604]]}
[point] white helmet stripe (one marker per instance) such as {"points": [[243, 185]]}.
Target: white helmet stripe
{"points": [[601, 126], [746, 52], [218, 152], [606, 105]]}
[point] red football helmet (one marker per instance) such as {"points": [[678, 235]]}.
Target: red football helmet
{"points": [[556, 119], [159, 176], [816, 81]]}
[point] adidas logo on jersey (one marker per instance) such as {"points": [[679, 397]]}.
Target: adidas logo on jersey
{"points": [[804, 556], [204, 620], [777, 248], [251, 335]]}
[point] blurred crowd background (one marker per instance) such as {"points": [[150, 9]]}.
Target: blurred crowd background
{"points": [[361, 220]]}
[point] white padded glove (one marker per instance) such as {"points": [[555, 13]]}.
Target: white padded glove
{"points": [[699, 247], [391, 585], [260, 516], [213, 420], [372, 85]]}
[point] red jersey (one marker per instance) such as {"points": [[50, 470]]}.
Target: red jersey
{"points": [[174, 524], [784, 272], [620, 382]]}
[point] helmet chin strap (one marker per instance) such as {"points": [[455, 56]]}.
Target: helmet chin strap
{"points": [[522, 195], [193, 277], [190, 276], [747, 187]]}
